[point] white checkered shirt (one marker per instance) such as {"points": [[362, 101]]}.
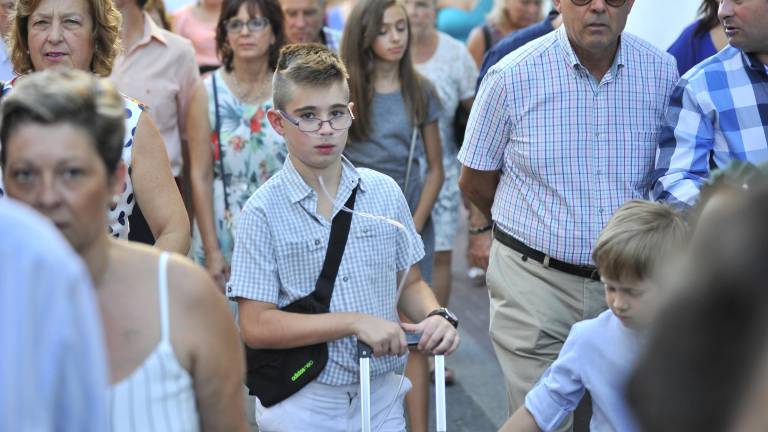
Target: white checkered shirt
{"points": [[718, 112], [281, 242], [570, 150]]}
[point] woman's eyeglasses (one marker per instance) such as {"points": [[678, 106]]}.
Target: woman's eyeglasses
{"points": [[255, 24]]}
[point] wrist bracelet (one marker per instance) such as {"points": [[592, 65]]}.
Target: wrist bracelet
{"points": [[473, 231]]}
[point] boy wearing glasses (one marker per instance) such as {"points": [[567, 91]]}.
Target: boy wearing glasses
{"points": [[563, 131], [280, 247], [599, 353]]}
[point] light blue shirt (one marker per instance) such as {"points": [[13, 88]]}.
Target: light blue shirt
{"points": [[718, 112], [570, 150], [598, 356], [6, 67], [280, 247], [53, 371]]}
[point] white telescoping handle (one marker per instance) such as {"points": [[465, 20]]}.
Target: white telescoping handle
{"points": [[440, 393], [364, 353]]}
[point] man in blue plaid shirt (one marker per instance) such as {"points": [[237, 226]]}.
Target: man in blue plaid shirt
{"points": [[719, 110]]}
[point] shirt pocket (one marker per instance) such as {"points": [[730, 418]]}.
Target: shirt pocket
{"points": [[375, 247], [636, 152], [299, 264]]}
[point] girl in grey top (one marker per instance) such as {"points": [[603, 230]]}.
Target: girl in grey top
{"points": [[391, 100]]}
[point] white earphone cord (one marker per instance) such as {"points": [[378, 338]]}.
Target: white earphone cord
{"points": [[400, 287]]}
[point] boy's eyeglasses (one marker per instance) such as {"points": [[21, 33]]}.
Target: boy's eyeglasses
{"points": [[339, 123], [255, 24], [611, 3]]}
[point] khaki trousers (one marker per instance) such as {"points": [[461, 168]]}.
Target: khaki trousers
{"points": [[532, 310]]}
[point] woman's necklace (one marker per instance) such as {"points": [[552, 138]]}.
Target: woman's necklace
{"points": [[249, 93]]}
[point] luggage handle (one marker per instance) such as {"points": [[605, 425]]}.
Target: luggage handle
{"points": [[364, 353]]}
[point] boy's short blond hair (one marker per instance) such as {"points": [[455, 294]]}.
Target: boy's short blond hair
{"points": [[312, 65], [636, 238]]}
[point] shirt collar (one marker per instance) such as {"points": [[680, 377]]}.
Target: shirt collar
{"points": [[573, 60], [151, 31], [298, 189], [752, 62]]}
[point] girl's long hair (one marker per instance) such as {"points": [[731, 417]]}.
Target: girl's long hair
{"points": [[360, 33]]}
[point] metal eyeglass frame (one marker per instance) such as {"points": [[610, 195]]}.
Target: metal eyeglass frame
{"points": [[259, 22], [296, 122]]}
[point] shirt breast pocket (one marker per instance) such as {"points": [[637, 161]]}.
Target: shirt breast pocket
{"points": [[637, 153], [374, 246], [299, 263]]}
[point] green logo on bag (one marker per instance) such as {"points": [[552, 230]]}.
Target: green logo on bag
{"points": [[301, 371]]}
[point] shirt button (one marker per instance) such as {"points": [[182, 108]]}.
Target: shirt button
{"points": [[229, 289], [345, 279], [365, 230], [601, 210], [317, 242]]}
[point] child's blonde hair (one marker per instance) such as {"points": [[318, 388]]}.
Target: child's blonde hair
{"points": [[636, 238]]}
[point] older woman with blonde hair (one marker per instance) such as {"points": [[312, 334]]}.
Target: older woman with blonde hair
{"points": [[83, 34], [175, 359]]}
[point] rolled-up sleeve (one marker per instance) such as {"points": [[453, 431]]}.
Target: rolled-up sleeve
{"points": [[254, 264], [560, 388]]}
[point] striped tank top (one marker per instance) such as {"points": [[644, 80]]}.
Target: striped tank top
{"points": [[159, 395]]}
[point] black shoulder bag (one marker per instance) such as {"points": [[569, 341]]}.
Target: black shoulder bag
{"points": [[275, 374]]}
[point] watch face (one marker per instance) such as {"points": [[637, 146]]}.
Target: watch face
{"points": [[447, 314]]}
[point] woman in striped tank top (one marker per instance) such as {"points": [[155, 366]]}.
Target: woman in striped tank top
{"points": [[175, 357]]}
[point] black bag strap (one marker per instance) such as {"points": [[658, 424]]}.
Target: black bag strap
{"points": [[336, 245]]}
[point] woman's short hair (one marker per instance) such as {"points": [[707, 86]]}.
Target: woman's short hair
{"points": [[75, 97], [106, 37], [269, 9]]}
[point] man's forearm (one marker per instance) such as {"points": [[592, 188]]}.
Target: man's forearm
{"points": [[480, 188]]}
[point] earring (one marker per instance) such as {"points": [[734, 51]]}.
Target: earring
{"points": [[115, 200]]}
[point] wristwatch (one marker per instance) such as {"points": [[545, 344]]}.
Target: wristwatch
{"points": [[447, 314]]}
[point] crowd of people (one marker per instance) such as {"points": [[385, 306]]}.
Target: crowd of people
{"points": [[248, 193]]}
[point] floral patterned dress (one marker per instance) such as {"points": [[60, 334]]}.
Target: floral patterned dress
{"points": [[251, 152]]}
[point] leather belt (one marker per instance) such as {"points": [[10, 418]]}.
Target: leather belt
{"points": [[588, 271]]}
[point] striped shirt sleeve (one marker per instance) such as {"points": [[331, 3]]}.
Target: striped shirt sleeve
{"points": [[489, 127]]}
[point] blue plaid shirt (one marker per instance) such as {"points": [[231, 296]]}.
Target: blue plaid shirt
{"points": [[718, 112], [281, 242], [570, 150]]}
